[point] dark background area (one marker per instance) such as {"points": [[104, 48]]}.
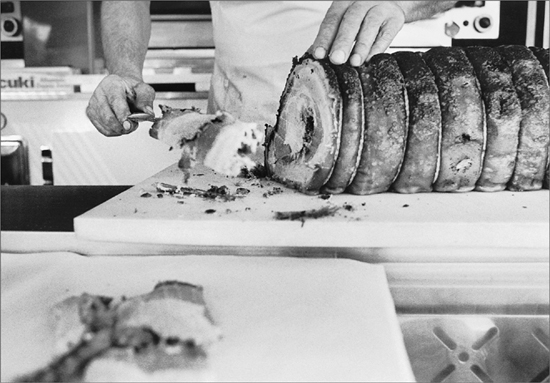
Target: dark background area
{"points": [[513, 26]]}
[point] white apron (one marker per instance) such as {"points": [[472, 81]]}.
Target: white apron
{"points": [[255, 43]]}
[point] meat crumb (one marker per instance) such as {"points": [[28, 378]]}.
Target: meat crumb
{"points": [[348, 207], [405, 205], [210, 211], [259, 171]]}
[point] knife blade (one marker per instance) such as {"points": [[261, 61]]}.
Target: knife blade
{"points": [[141, 117]]}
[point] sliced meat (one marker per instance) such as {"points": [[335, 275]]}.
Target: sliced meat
{"points": [[164, 335], [503, 116], [302, 147], [385, 125], [352, 129], [219, 141], [422, 152], [542, 54], [462, 134], [531, 86]]}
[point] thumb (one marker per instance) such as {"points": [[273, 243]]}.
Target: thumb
{"points": [[145, 95]]}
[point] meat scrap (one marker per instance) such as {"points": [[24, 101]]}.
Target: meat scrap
{"points": [[214, 192], [302, 215]]}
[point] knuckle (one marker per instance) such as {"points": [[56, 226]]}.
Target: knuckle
{"points": [[385, 36], [145, 91], [377, 14], [350, 17], [332, 19]]}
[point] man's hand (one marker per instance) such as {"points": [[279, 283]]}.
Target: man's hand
{"points": [[357, 30], [372, 24], [125, 33], [114, 100]]}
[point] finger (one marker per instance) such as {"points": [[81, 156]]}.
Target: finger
{"points": [[365, 38], [120, 108], [387, 33], [129, 126], [120, 127], [101, 116], [347, 32], [329, 28], [145, 95]]}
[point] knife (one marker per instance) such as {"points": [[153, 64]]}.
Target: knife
{"points": [[141, 117]]}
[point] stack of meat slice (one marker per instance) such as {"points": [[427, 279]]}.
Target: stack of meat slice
{"points": [[448, 120]]}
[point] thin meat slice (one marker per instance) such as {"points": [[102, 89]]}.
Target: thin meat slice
{"points": [[503, 116], [422, 152], [531, 86], [302, 147], [351, 142], [462, 134], [385, 125]]}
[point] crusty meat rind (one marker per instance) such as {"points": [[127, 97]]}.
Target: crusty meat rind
{"points": [[351, 142], [462, 111], [543, 56], [385, 125], [302, 147], [503, 116], [531, 86], [422, 152]]}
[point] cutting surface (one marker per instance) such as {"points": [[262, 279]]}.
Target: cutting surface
{"points": [[282, 319], [475, 219]]}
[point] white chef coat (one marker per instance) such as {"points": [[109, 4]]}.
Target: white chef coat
{"points": [[255, 43]]}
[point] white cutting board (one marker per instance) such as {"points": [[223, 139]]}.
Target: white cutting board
{"points": [[282, 319], [475, 219]]}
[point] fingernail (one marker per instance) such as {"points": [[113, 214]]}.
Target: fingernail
{"points": [[338, 57], [355, 60], [320, 53], [149, 110], [127, 125]]}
